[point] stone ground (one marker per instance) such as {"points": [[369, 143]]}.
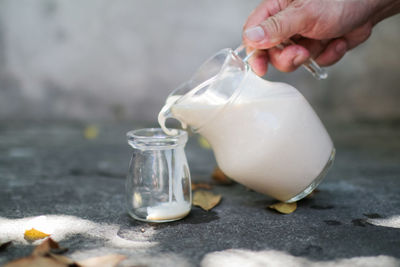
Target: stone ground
{"points": [[54, 179]]}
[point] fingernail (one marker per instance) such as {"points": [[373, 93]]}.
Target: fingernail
{"points": [[255, 34], [341, 47], [298, 60]]}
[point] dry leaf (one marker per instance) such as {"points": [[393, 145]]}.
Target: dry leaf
{"points": [[91, 132], [45, 247], [36, 261], [33, 235], [62, 259], [312, 194], [5, 245], [285, 208], [48, 245], [104, 261], [205, 199], [220, 177], [42, 256], [196, 186], [203, 142]]}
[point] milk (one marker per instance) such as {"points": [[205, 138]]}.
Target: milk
{"points": [[168, 211], [177, 206], [266, 137]]}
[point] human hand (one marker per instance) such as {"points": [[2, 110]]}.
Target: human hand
{"points": [[323, 30]]}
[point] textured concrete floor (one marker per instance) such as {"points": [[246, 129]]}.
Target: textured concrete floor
{"points": [[78, 184]]}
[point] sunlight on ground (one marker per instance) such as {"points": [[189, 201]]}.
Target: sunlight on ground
{"points": [[63, 226], [274, 258], [393, 221]]}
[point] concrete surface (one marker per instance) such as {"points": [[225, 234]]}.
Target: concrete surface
{"points": [[54, 179]]}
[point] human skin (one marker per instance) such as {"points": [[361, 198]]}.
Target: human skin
{"points": [[322, 29]]}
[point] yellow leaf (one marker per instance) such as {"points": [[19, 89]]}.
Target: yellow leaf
{"points": [[285, 208], [33, 235], [203, 142], [205, 199], [91, 132]]}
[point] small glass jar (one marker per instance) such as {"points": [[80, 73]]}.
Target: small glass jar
{"points": [[158, 186]]}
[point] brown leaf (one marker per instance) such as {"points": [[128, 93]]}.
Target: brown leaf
{"points": [[42, 256], [45, 247], [36, 261], [33, 235], [104, 261], [205, 199], [196, 186], [220, 177], [285, 208], [312, 194], [5, 245], [62, 259]]}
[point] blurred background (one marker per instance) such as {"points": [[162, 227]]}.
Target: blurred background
{"points": [[118, 60]]}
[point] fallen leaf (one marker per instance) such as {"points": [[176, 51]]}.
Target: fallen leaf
{"points": [[91, 132], [5, 245], [62, 259], [43, 256], [48, 245], [196, 186], [36, 261], [104, 261], [205, 199], [285, 208], [33, 235], [312, 194], [220, 177], [203, 142]]}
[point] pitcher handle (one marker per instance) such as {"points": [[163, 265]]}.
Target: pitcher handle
{"points": [[240, 49], [310, 65]]}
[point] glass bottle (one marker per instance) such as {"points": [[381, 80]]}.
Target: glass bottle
{"points": [[158, 185]]}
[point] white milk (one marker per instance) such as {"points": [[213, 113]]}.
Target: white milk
{"points": [[168, 211], [268, 138], [176, 207]]}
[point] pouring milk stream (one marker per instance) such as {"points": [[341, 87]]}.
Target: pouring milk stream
{"points": [[264, 134]]}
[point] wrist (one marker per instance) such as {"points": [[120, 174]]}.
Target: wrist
{"points": [[382, 9]]}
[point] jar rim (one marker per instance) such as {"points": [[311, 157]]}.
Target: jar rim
{"points": [[155, 138]]}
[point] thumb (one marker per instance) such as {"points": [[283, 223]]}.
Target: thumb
{"points": [[276, 29]]}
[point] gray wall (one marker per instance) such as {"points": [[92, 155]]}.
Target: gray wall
{"points": [[98, 59]]}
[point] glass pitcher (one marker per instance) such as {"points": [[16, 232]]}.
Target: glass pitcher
{"points": [[264, 134]]}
